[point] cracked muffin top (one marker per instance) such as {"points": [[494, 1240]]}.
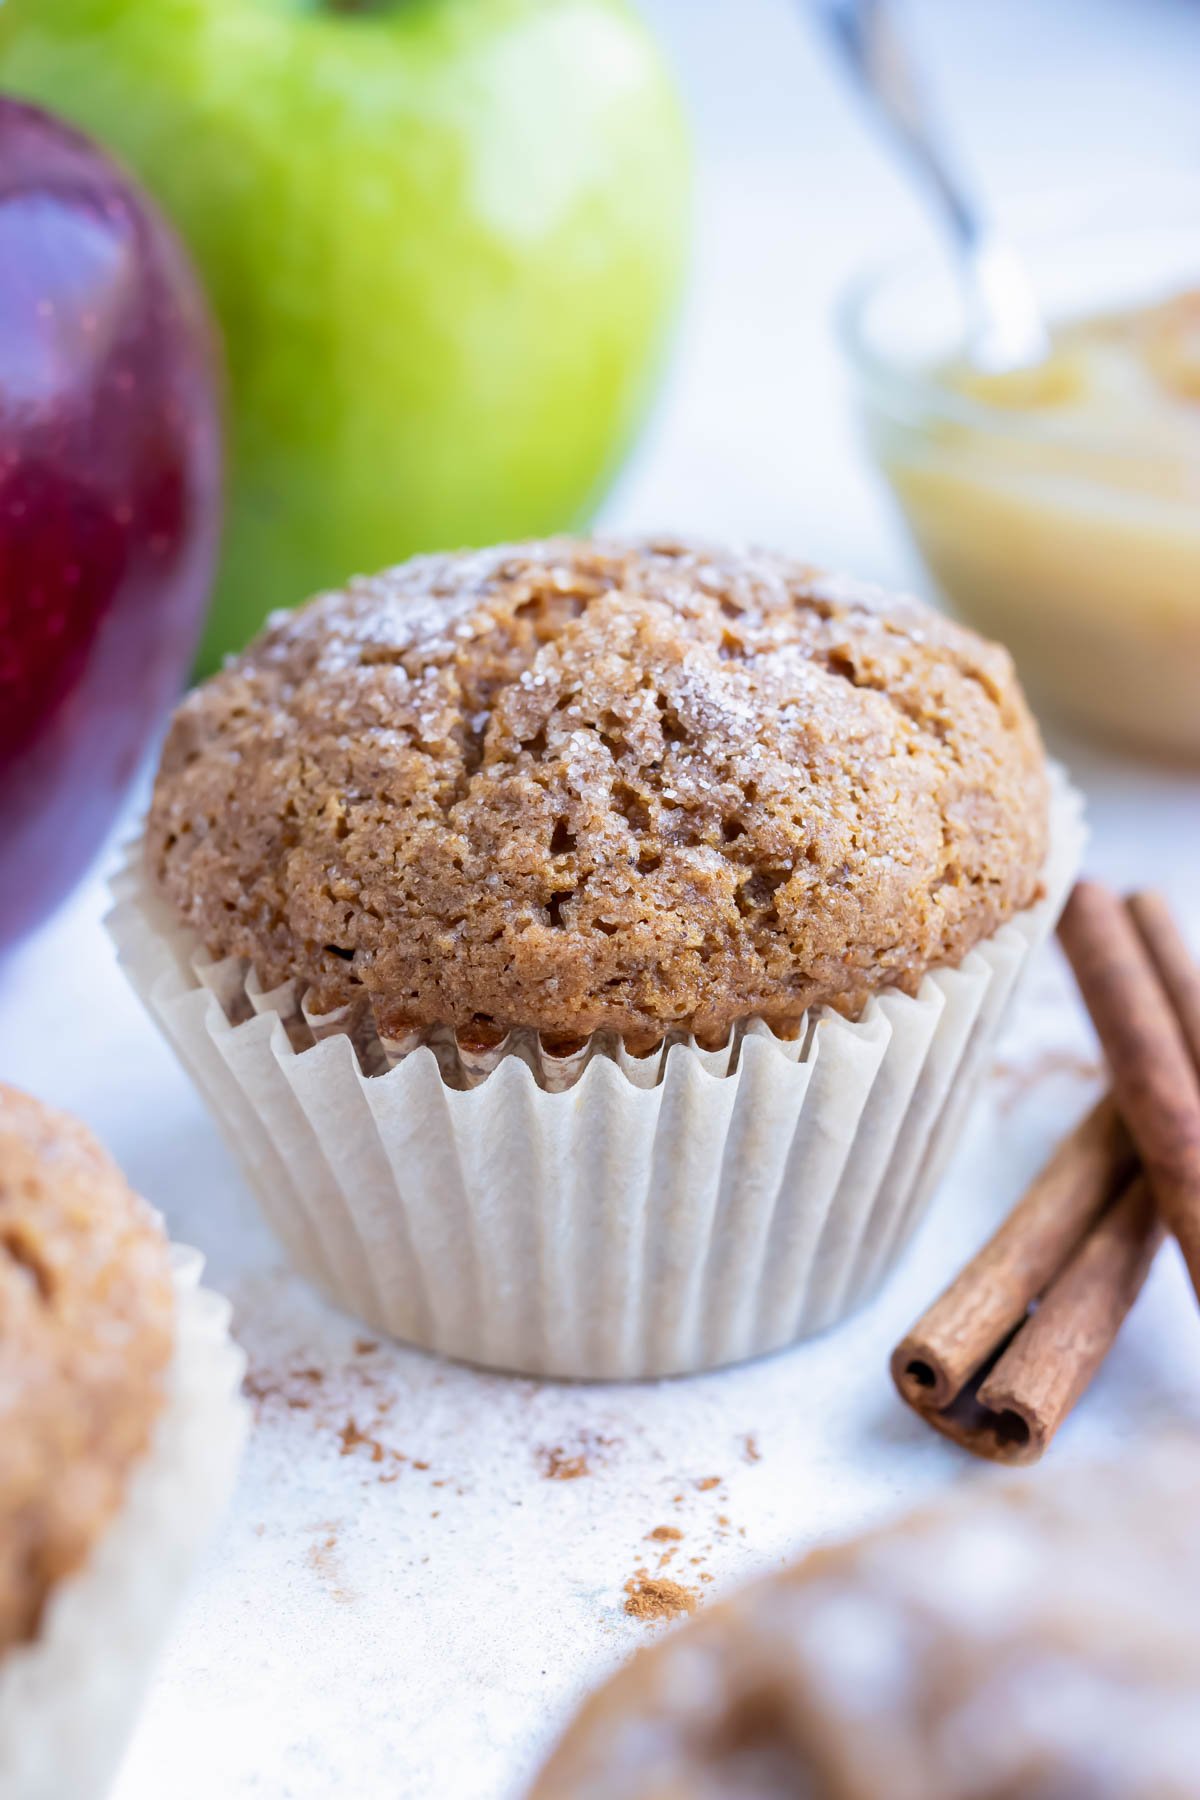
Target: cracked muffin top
{"points": [[87, 1304], [1032, 1642], [581, 786]]}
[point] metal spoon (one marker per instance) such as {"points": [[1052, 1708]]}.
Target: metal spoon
{"points": [[1005, 325]]}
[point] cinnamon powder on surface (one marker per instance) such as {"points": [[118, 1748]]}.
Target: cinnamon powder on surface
{"points": [[568, 1462], [352, 1437], [1016, 1081], [563, 1465], [655, 1598], [349, 1403]]}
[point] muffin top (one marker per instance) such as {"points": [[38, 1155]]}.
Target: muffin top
{"points": [[87, 1304], [581, 786], [1040, 1642]]}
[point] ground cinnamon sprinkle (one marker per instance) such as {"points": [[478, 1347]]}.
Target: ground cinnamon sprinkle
{"points": [[352, 1437], [664, 1534], [750, 1449], [1017, 1080], [561, 1465], [324, 1561], [706, 1483], [655, 1598], [295, 1388], [561, 1462], [351, 1403]]}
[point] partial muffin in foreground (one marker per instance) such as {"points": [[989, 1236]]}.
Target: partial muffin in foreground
{"points": [[746, 856], [1038, 1641], [88, 1307], [582, 787], [120, 1429]]}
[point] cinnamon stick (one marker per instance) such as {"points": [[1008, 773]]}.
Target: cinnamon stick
{"points": [[1050, 1363], [1000, 1359], [1011, 1409], [1154, 1080], [1173, 963], [988, 1301]]}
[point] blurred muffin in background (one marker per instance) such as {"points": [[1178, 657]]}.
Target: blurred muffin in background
{"points": [[1040, 1640]]}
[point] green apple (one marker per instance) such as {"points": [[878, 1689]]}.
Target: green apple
{"points": [[443, 239]]}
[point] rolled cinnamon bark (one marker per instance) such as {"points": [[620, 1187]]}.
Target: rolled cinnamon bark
{"points": [[1177, 968], [1011, 1406], [1052, 1360], [999, 1361], [983, 1306], [1154, 1080]]}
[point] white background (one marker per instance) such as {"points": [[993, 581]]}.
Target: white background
{"points": [[425, 1636]]}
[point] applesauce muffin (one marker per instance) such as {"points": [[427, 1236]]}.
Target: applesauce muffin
{"points": [[1039, 1641], [746, 857], [121, 1425], [88, 1306], [579, 787]]}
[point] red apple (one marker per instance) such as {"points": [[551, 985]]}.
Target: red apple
{"points": [[110, 481]]}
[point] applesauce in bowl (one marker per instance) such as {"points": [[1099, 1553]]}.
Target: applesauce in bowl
{"points": [[1058, 508]]}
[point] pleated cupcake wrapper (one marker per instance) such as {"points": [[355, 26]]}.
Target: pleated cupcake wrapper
{"points": [[588, 1214], [68, 1699]]}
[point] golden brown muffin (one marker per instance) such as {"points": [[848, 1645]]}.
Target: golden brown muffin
{"points": [[1032, 1643], [86, 1311], [583, 786]]}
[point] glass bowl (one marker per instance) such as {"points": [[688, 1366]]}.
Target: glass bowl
{"points": [[1055, 517]]}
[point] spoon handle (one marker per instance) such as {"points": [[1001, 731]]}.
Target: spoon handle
{"points": [[1006, 326]]}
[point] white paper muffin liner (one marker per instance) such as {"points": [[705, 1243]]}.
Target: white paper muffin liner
{"points": [[68, 1699], [595, 1215]]}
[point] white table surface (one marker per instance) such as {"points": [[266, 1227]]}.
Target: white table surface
{"points": [[368, 1629]]}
